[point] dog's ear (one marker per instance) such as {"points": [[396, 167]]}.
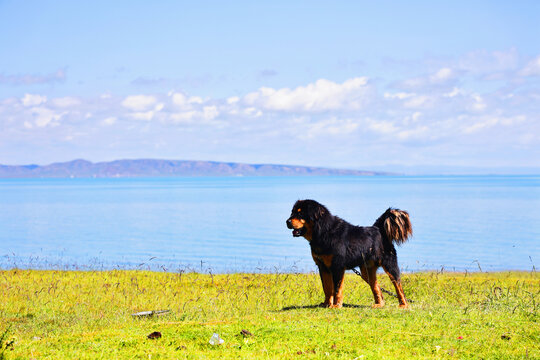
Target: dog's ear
{"points": [[320, 212], [320, 218], [317, 212]]}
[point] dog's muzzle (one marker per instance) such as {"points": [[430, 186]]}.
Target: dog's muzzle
{"points": [[295, 232], [298, 232], [289, 223]]}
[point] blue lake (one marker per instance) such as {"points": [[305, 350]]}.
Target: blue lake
{"points": [[235, 224]]}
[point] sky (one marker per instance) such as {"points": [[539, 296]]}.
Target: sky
{"points": [[385, 85]]}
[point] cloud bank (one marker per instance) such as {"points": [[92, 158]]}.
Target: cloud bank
{"points": [[447, 115]]}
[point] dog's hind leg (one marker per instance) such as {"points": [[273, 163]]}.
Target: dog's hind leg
{"points": [[364, 273], [375, 288], [391, 268]]}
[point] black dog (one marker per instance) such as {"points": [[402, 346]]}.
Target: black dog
{"points": [[337, 245]]}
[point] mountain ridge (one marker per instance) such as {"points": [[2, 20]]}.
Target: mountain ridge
{"points": [[81, 168]]}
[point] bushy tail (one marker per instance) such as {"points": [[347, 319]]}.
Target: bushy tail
{"points": [[395, 225]]}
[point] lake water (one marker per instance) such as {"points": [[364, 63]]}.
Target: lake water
{"points": [[238, 223]]}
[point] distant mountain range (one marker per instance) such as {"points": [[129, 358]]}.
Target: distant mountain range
{"points": [[158, 168]]}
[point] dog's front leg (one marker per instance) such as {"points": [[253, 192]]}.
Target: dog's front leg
{"points": [[338, 279], [328, 286]]}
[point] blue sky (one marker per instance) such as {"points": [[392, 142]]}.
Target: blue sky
{"points": [[367, 85]]}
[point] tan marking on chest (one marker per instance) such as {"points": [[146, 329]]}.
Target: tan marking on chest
{"points": [[325, 259]]}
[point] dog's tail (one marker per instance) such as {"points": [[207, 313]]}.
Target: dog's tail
{"points": [[395, 225]]}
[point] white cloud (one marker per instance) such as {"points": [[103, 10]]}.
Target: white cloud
{"points": [[416, 101], [183, 101], [478, 103], [195, 100], [320, 96], [332, 126], [142, 115], [233, 100], [514, 120], [532, 68], [484, 123], [184, 117], [210, 112], [383, 127], [144, 107], [179, 99], [488, 121], [207, 113], [482, 61], [111, 120], [65, 102], [33, 100], [139, 102], [455, 92], [187, 109], [46, 117], [413, 83], [414, 133], [442, 75], [251, 111], [414, 118], [400, 95]]}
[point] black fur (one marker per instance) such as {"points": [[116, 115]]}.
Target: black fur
{"points": [[337, 245]]}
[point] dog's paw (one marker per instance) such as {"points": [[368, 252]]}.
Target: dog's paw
{"points": [[336, 306], [378, 306], [404, 306]]}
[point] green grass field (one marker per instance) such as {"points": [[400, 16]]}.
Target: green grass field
{"points": [[87, 315]]}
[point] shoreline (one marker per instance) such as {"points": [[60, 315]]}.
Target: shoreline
{"points": [[194, 272]]}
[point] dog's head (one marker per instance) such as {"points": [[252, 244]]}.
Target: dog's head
{"points": [[304, 216]]}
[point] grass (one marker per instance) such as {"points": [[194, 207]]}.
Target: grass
{"points": [[87, 315]]}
